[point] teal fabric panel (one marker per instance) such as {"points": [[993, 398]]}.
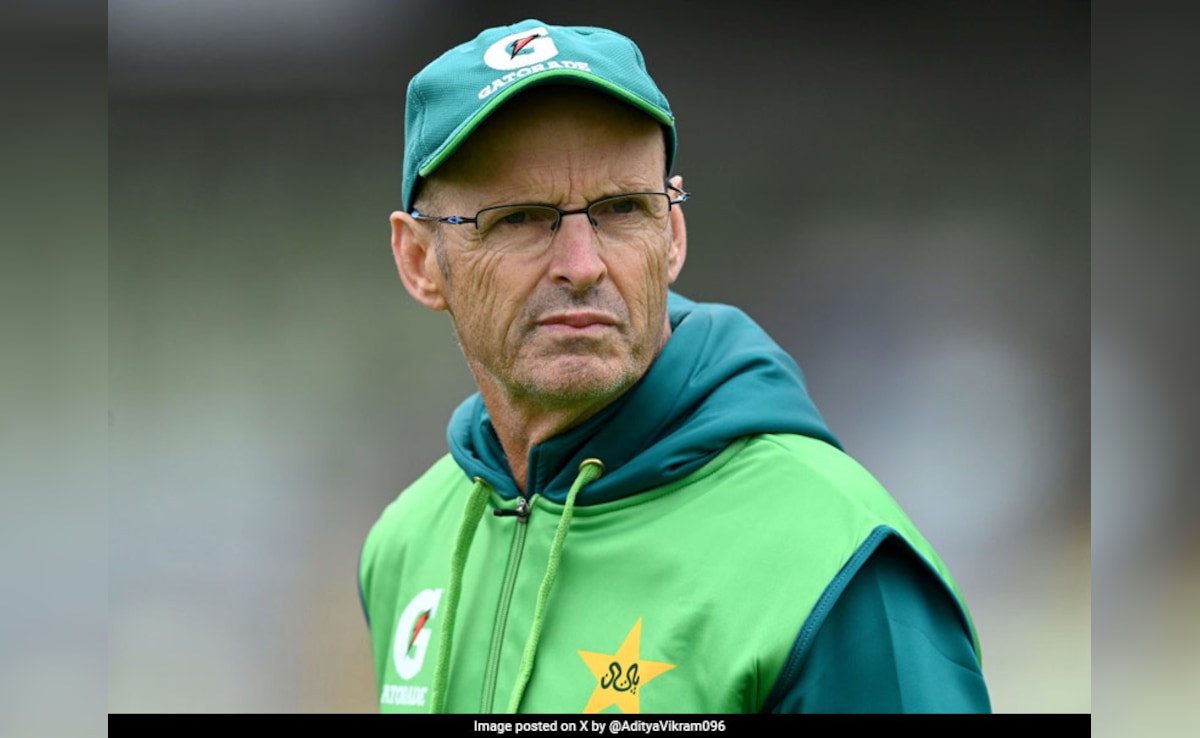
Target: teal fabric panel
{"points": [[894, 642]]}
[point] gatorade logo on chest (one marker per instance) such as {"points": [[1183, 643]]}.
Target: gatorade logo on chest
{"points": [[409, 646]]}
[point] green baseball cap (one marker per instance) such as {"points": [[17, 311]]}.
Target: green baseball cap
{"points": [[455, 93]]}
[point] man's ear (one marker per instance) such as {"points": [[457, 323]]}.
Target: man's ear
{"points": [[677, 249], [416, 260]]}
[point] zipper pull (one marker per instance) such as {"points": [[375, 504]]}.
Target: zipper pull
{"points": [[522, 511]]}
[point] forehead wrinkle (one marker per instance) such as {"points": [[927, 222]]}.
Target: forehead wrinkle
{"points": [[590, 183], [561, 152], [571, 179]]}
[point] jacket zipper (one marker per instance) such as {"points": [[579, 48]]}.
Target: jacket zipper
{"points": [[510, 580]]}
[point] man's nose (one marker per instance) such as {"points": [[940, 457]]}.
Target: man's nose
{"points": [[576, 258]]}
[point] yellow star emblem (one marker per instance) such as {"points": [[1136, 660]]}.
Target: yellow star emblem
{"points": [[621, 676]]}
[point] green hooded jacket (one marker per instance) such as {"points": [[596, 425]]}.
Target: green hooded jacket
{"points": [[702, 544]]}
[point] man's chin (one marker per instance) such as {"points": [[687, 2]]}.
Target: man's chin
{"points": [[577, 380]]}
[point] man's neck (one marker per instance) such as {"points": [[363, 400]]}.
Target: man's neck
{"points": [[520, 427]]}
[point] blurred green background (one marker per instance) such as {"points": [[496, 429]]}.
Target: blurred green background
{"points": [[899, 193]]}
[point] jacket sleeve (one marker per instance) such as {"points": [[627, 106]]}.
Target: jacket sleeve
{"points": [[893, 642]]}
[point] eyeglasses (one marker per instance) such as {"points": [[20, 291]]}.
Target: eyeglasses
{"points": [[530, 228]]}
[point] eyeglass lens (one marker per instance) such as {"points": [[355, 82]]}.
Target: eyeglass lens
{"points": [[532, 227]]}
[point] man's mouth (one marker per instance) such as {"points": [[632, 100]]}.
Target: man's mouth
{"points": [[578, 321]]}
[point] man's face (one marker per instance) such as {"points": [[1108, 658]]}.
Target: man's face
{"points": [[581, 321]]}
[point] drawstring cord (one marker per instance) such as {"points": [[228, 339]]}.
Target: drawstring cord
{"points": [[589, 471], [458, 561]]}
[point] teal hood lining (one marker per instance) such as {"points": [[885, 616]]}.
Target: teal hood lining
{"points": [[720, 377]]}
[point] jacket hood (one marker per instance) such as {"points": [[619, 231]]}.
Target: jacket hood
{"points": [[720, 377]]}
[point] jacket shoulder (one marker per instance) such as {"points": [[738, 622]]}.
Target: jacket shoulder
{"points": [[426, 496], [832, 503], [805, 471], [434, 500]]}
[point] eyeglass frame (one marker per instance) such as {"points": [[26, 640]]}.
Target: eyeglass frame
{"points": [[463, 220]]}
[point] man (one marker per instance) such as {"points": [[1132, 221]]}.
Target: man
{"points": [[642, 510]]}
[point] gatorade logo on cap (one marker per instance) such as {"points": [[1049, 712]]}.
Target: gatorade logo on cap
{"points": [[521, 49]]}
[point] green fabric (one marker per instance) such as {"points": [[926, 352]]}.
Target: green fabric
{"points": [[588, 471], [702, 570], [462, 545]]}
